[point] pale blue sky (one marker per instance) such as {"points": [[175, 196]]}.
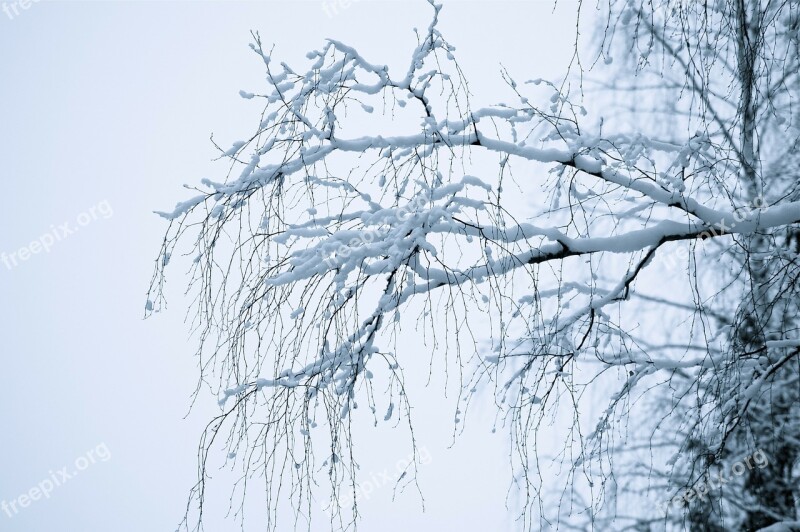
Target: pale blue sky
{"points": [[114, 102]]}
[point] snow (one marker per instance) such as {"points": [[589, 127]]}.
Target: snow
{"points": [[776, 344], [783, 526]]}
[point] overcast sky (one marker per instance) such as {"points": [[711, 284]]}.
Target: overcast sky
{"points": [[106, 111]]}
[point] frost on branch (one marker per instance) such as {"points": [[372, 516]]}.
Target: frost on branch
{"points": [[366, 197]]}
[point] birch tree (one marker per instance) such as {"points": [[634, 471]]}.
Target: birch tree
{"points": [[332, 234], [729, 70]]}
